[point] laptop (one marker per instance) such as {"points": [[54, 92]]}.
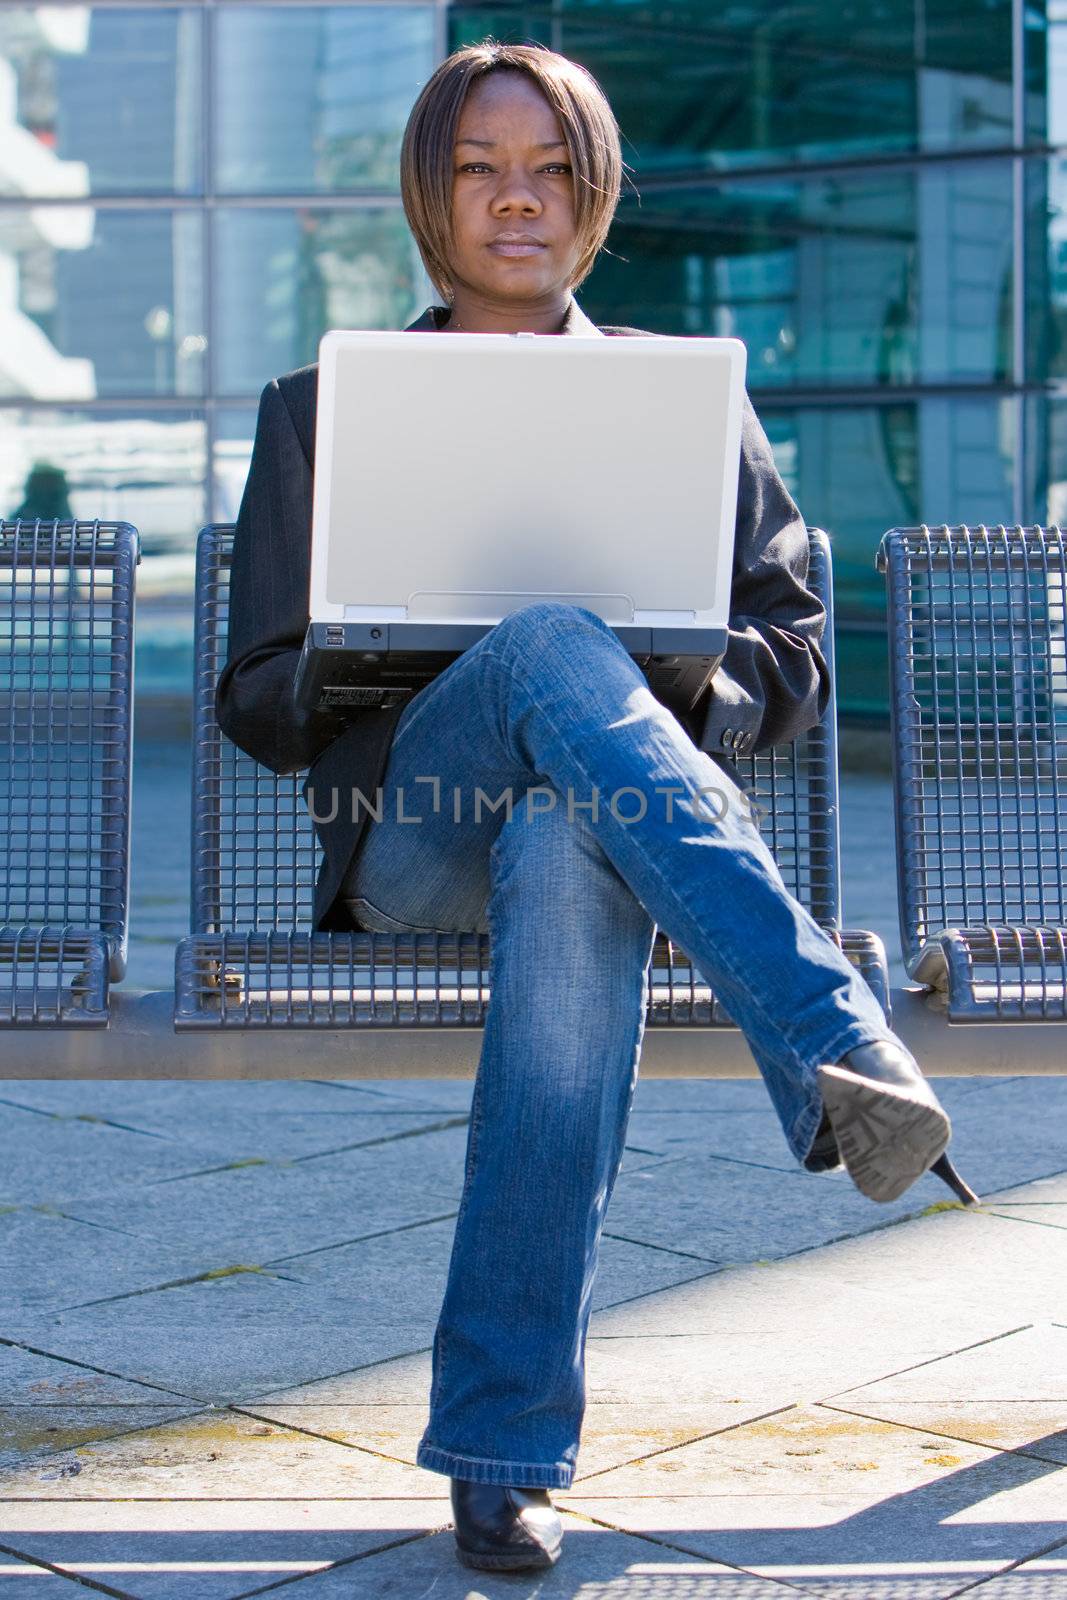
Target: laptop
{"points": [[460, 478]]}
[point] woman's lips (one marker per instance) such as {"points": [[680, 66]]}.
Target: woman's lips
{"points": [[516, 249]]}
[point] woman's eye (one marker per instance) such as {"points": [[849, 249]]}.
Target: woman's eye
{"points": [[557, 166]]}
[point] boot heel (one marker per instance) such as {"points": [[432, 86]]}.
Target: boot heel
{"points": [[943, 1169]]}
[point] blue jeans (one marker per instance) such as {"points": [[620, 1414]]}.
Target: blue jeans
{"points": [[598, 837]]}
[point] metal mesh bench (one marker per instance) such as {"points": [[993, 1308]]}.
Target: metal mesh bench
{"points": [[979, 720], [252, 960], [67, 610]]}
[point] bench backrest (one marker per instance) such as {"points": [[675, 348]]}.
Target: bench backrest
{"points": [[66, 624], [979, 709], [255, 855]]}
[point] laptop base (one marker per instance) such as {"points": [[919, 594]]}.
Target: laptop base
{"points": [[352, 665]]}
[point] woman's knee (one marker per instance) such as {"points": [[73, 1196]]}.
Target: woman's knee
{"points": [[539, 619]]}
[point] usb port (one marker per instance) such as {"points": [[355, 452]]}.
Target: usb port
{"points": [[335, 633]]}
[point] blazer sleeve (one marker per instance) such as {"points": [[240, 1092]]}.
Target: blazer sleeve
{"points": [[269, 599], [773, 683]]}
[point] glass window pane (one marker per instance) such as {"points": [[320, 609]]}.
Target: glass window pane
{"points": [[285, 277], [723, 87], [139, 466], [313, 99], [100, 303], [1046, 460], [105, 100], [235, 429], [1045, 75], [857, 470], [1046, 267], [880, 278]]}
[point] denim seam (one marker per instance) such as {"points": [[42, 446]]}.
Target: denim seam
{"points": [[476, 1125], [528, 1468]]}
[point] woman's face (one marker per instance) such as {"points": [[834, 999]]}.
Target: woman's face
{"points": [[511, 174]]}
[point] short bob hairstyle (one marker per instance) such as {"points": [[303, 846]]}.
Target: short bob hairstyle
{"points": [[426, 154]]}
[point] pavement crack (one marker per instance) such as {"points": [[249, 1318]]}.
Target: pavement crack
{"points": [[84, 1116], [386, 1138], [173, 1283], [67, 1572], [362, 1238], [664, 1249], [88, 1366], [915, 1366]]}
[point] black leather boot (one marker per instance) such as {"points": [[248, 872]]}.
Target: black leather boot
{"points": [[501, 1527], [882, 1118]]}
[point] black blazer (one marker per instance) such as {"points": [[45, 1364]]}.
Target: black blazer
{"points": [[772, 685]]}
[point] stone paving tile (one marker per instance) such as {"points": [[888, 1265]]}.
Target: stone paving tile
{"points": [[450, 1095], [842, 1507], [218, 1549], [1050, 1191], [394, 1381], [50, 1161], [30, 1433], [156, 1103], [748, 1364], [982, 1146], [958, 1260], [1046, 1215], [611, 1434], [1044, 1578], [293, 1135], [24, 1580], [258, 1212], [213, 1455], [1009, 1394], [408, 1270], [596, 1564], [226, 1338], [741, 1123], [51, 1261], [730, 1211], [31, 1377], [750, 1136]]}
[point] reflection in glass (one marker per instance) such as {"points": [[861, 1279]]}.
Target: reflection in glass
{"points": [[235, 429], [314, 99], [1046, 435], [1046, 267], [95, 303], [874, 278], [286, 276], [857, 470], [700, 86], [120, 466], [99, 100]]}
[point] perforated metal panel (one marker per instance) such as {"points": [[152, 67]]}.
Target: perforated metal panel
{"points": [[255, 862], [66, 638], [979, 711]]}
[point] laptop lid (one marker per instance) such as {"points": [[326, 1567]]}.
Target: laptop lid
{"points": [[458, 478]]}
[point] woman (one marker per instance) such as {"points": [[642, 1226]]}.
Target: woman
{"points": [[510, 174]]}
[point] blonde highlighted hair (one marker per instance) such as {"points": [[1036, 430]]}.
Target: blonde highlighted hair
{"points": [[426, 154]]}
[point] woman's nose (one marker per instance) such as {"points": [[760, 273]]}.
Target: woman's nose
{"points": [[514, 190]]}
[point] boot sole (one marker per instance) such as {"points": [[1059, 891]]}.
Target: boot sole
{"points": [[507, 1560], [887, 1139]]}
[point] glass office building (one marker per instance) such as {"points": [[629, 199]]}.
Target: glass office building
{"points": [[874, 198]]}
